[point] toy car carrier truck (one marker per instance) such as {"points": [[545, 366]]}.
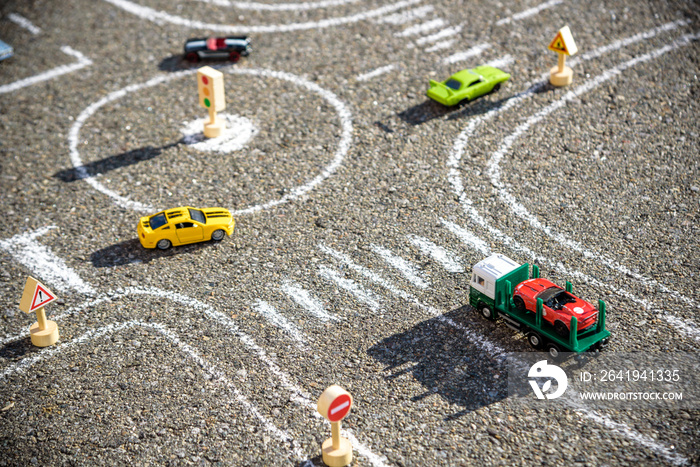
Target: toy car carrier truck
{"points": [[544, 312]]}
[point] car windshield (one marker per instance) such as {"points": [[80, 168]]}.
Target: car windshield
{"points": [[197, 215], [556, 298], [157, 221], [453, 84], [547, 294]]}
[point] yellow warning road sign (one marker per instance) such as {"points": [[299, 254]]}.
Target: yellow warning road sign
{"points": [[563, 42]]}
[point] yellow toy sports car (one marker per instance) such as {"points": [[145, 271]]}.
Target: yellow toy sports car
{"points": [[180, 226]]}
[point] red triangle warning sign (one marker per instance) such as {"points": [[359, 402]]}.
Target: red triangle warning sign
{"points": [[42, 296], [35, 296]]}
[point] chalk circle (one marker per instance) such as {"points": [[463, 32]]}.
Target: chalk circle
{"points": [[341, 151], [238, 132]]}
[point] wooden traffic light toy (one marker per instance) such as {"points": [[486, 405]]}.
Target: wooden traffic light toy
{"points": [[334, 404], [210, 84], [44, 332], [563, 44]]}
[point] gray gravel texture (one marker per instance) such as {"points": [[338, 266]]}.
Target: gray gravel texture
{"points": [[203, 377]]}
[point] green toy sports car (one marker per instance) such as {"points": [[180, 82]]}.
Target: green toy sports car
{"points": [[466, 85]]}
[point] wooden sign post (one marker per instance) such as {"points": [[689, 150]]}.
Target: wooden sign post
{"points": [[44, 332], [563, 44], [334, 404]]}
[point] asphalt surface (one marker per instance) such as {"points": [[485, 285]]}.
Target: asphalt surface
{"points": [[360, 208]]}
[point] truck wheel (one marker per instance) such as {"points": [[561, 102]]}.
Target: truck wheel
{"points": [[485, 310], [561, 329], [553, 350], [534, 340]]}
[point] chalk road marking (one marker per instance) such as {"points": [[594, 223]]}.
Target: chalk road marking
{"points": [[42, 262], [521, 211], [122, 201], [441, 45], [161, 17], [529, 12], [421, 28], [376, 72], [411, 272], [255, 6], [448, 260], [211, 369], [24, 23], [406, 16], [447, 32], [304, 299], [461, 56], [363, 295], [238, 132], [501, 62], [273, 316], [461, 141], [82, 62]]}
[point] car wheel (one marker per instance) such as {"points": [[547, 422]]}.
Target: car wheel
{"points": [[163, 244], [519, 304], [496, 87], [218, 235], [561, 329], [192, 57], [485, 310], [234, 56], [534, 340], [553, 351]]}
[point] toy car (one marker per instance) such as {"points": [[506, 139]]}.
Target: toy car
{"points": [[5, 51], [183, 225], [466, 85], [558, 305], [217, 48]]}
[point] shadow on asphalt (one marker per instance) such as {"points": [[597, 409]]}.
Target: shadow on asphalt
{"points": [[438, 356], [117, 161], [131, 251]]}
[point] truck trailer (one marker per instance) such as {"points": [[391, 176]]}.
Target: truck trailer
{"points": [[493, 292]]}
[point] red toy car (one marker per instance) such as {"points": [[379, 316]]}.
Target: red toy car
{"points": [[217, 48], [558, 305]]}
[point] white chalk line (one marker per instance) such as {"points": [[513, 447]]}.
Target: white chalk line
{"points": [[521, 211], [410, 271], [24, 23], [472, 52], [122, 201], [501, 62], [160, 17], [477, 339], [529, 12], [42, 262], [447, 32], [213, 371], [82, 62], [376, 72], [447, 259], [237, 133], [304, 299], [421, 28], [406, 16], [363, 295], [461, 142], [273, 316], [299, 396], [441, 45], [256, 6]]}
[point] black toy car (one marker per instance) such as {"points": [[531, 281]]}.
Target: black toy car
{"points": [[217, 48]]}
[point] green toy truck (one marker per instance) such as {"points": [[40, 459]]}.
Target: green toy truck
{"points": [[552, 318]]}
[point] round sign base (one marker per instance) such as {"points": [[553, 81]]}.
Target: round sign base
{"points": [[44, 337], [337, 457], [214, 130], [561, 78]]}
